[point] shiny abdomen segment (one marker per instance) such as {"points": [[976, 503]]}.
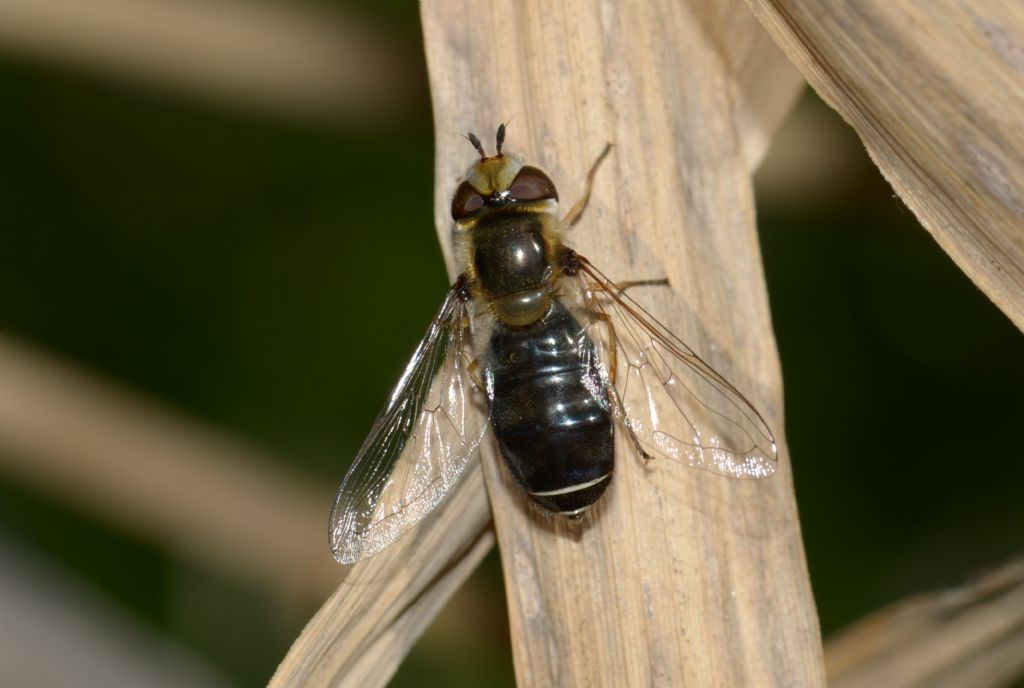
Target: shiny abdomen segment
{"points": [[550, 411]]}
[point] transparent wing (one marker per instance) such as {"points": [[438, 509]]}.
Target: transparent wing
{"points": [[420, 443], [674, 403]]}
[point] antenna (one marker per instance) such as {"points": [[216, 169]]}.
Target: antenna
{"points": [[500, 138], [476, 144]]}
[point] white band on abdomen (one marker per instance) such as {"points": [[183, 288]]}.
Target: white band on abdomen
{"points": [[571, 488]]}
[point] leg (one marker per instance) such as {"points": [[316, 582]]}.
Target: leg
{"points": [[613, 392], [576, 212], [613, 356], [472, 369], [603, 317], [613, 347], [629, 284]]}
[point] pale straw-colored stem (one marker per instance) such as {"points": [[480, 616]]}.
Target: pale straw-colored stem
{"points": [[289, 59], [682, 578], [491, 62], [935, 90], [967, 636]]}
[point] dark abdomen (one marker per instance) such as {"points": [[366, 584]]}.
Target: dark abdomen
{"points": [[550, 411]]}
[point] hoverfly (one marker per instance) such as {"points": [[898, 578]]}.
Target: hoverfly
{"points": [[537, 343]]}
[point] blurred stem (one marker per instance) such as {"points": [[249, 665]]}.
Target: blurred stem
{"points": [[935, 91], [663, 583], [165, 478], [968, 636], [287, 58]]}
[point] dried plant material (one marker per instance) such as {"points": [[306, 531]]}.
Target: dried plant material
{"points": [[58, 630], [168, 479], [935, 91], [285, 58], [765, 84], [762, 87], [969, 636], [678, 576], [385, 602]]}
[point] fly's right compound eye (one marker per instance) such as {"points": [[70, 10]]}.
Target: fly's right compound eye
{"points": [[532, 185], [467, 201]]}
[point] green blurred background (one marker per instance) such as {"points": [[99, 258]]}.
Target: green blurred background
{"points": [[269, 275]]}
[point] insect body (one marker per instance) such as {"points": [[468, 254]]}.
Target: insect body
{"points": [[536, 342], [550, 408]]}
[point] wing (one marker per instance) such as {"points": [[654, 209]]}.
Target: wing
{"points": [[673, 403], [420, 443]]}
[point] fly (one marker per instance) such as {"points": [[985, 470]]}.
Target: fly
{"points": [[533, 341]]}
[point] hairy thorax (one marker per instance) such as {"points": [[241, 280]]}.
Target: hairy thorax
{"points": [[512, 262]]}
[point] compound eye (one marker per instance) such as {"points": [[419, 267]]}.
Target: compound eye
{"points": [[467, 201], [532, 185]]}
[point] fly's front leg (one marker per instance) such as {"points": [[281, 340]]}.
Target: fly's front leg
{"points": [[576, 212]]}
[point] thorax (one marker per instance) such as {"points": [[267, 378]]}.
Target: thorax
{"points": [[511, 259]]}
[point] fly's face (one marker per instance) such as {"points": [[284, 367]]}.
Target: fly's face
{"points": [[502, 181]]}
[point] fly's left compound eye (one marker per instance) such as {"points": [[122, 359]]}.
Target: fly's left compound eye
{"points": [[467, 201], [532, 185]]}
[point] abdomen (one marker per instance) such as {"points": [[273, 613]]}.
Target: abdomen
{"points": [[550, 411]]}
